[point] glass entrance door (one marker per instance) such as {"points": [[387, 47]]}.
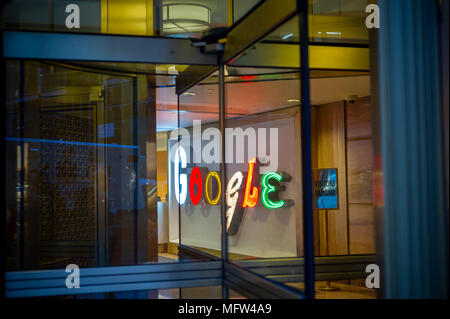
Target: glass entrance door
{"points": [[71, 159], [85, 148]]}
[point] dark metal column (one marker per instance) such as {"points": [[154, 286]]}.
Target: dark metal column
{"points": [[223, 173], [3, 173], [308, 236], [22, 167], [415, 242]]}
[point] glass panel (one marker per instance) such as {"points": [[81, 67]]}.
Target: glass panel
{"points": [[265, 217], [338, 21], [264, 119], [341, 141], [51, 165], [125, 189], [265, 204], [335, 21], [265, 94], [87, 177], [193, 18], [132, 17], [72, 159], [198, 168], [241, 8], [209, 292], [43, 15]]}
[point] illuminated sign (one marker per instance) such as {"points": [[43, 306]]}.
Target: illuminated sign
{"points": [[208, 198], [250, 198], [234, 216], [270, 190], [180, 179], [271, 186], [195, 180], [326, 195]]}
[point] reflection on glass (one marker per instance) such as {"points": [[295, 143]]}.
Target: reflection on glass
{"points": [[196, 168], [340, 21], [132, 17], [209, 292], [241, 8], [77, 186], [185, 18], [330, 21], [268, 231], [268, 202]]}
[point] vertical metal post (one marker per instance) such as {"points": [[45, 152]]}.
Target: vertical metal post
{"points": [[415, 246], [376, 149], [223, 173], [102, 229], [136, 173], [308, 236], [3, 172], [445, 102], [327, 253], [157, 17], [21, 172]]}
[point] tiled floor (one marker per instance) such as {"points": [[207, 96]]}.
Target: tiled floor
{"points": [[167, 258], [345, 291]]}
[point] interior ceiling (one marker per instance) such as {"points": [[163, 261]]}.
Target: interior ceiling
{"points": [[245, 98], [249, 91]]}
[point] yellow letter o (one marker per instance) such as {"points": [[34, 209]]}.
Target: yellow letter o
{"points": [[208, 199]]}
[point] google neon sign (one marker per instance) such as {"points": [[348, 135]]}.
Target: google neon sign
{"points": [[271, 185]]}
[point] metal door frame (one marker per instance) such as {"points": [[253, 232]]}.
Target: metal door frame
{"points": [[85, 47], [159, 50], [30, 45]]}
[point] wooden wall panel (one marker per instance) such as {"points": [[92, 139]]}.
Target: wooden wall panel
{"points": [[316, 219], [359, 119], [362, 229], [341, 137], [360, 164], [360, 170], [331, 153]]}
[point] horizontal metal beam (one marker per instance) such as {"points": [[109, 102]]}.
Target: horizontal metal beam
{"points": [[102, 47], [114, 279], [191, 253], [264, 19], [252, 278], [191, 76], [318, 260], [326, 268], [291, 278], [252, 285]]}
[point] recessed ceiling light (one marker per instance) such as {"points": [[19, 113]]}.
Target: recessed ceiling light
{"points": [[333, 33], [293, 101], [190, 93], [287, 36]]}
